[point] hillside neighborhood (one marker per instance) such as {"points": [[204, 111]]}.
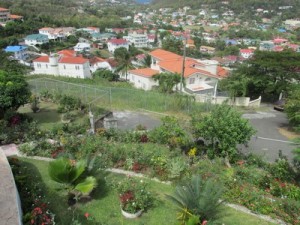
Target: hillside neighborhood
{"points": [[149, 112]]}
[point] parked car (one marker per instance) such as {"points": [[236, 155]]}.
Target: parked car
{"points": [[279, 105]]}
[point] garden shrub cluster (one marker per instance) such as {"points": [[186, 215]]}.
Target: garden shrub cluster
{"points": [[35, 207]]}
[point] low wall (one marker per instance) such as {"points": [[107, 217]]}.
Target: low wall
{"points": [[238, 101], [10, 207]]}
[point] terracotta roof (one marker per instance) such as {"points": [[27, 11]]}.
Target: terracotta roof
{"points": [[42, 59], [112, 62], [67, 53], [164, 55], [145, 72], [12, 16], [95, 60], [246, 50], [73, 60], [222, 72], [3, 9], [118, 41], [175, 66]]}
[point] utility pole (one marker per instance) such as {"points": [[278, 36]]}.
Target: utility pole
{"points": [[183, 64]]}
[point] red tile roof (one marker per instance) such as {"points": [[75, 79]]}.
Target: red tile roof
{"points": [[12, 16], [222, 72], [164, 55], [118, 41], [246, 50], [73, 60], [42, 59], [145, 72], [3, 9], [67, 53], [95, 60]]}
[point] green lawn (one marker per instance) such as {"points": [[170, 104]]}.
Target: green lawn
{"points": [[105, 206], [48, 116]]}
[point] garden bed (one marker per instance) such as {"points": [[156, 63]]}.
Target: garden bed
{"points": [[104, 207]]}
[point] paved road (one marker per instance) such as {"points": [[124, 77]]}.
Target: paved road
{"points": [[268, 141]]}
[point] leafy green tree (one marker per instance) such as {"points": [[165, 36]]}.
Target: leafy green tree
{"points": [[236, 84], [270, 73], [123, 58], [167, 81], [292, 108], [173, 45], [223, 129], [198, 197], [14, 92], [106, 74]]}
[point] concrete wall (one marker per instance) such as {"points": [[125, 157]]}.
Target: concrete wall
{"points": [[238, 101], [10, 208]]}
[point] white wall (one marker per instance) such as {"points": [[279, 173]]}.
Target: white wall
{"points": [[145, 83], [74, 70], [112, 47], [42, 68], [100, 65]]}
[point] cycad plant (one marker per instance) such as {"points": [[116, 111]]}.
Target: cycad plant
{"points": [[71, 174], [198, 197]]}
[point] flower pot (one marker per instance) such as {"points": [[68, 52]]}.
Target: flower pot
{"points": [[131, 215]]}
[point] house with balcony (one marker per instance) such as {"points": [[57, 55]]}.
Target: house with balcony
{"points": [[201, 76], [18, 52], [5, 16], [36, 39], [138, 38], [82, 47], [113, 44], [57, 33]]}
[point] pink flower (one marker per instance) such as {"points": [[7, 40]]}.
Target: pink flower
{"points": [[86, 215], [204, 222]]}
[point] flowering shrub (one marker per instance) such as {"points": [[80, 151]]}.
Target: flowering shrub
{"points": [[133, 195], [40, 215]]}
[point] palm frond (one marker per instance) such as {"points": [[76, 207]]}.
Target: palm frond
{"points": [[87, 185]]}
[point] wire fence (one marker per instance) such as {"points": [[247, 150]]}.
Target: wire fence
{"points": [[120, 98]]}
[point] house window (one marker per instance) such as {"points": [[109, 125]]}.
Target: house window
{"points": [[192, 80], [64, 67], [39, 65], [208, 79], [76, 67], [47, 66]]}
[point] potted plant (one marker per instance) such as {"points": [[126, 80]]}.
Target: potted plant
{"points": [[134, 197]]}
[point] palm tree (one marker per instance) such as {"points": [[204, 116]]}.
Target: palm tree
{"points": [[123, 58], [167, 81], [69, 173], [198, 197], [147, 61]]}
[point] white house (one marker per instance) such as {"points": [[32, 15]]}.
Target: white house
{"points": [[56, 33], [36, 39], [139, 40], [90, 30], [113, 44], [201, 76], [99, 63], [142, 78], [246, 53], [59, 65], [82, 47], [19, 51]]}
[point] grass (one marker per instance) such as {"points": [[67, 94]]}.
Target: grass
{"points": [[48, 116], [117, 97], [105, 209]]}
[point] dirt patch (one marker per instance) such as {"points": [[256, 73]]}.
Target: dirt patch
{"points": [[288, 133]]}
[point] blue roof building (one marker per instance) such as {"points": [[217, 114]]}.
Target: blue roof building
{"points": [[19, 51]]}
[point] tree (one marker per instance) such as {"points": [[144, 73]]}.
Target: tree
{"points": [[147, 61], [222, 129], [236, 84], [106, 74], [292, 108], [199, 198], [270, 73], [14, 92], [167, 81], [123, 58], [173, 45]]}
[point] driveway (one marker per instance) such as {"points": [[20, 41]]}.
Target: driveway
{"points": [[268, 140]]}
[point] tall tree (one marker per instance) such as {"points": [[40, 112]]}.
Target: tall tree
{"points": [[123, 58], [173, 45], [14, 92], [147, 61]]}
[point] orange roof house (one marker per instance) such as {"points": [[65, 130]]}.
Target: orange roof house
{"points": [[144, 72]]}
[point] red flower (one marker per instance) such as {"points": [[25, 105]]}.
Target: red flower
{"points": [[204, 222], [86, 215]]}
